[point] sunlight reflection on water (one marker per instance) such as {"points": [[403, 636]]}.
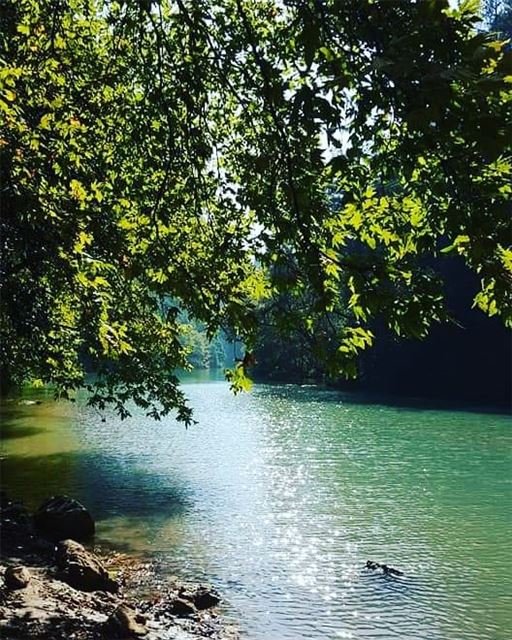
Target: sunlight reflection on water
{"points": [[279, 498]]}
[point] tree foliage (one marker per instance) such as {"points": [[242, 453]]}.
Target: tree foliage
{"points": [[498, 17], [222, 154], [204, 352]]}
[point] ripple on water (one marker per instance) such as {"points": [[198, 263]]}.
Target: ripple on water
{"points": [[280, 497]]}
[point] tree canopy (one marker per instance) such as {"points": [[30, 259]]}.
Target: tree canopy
{"points": [[498, 17], [224, 155]]}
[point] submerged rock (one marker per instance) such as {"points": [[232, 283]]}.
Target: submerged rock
{"points": [[81, 569], [16, 577], [125, 622], [61, 517]]}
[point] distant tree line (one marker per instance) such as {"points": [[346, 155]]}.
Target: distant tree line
{"points": [[468, 359], [204, 352]]}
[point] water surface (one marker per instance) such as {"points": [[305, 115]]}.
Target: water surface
{"points": [[280, 496]]}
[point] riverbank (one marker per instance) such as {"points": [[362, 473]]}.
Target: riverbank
{"points": [[57, 591]]}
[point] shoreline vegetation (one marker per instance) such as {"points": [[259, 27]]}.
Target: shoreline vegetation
{"points": [[52, 589]]}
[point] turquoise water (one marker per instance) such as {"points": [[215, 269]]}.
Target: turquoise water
{"points": [[280, 496]]}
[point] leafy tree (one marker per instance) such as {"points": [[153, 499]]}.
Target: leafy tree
{"points": [[197, 151]]}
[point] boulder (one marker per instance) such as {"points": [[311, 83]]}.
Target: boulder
{"points": [[205, 598], [125, 622], [181, 607], [186, 594], [17, 534], [81, 569], [11, 511], [16, 577], [61, 517]]}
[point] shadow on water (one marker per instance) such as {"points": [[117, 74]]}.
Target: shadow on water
{"points": [[108, 485], [9, 430], [313, 392]]}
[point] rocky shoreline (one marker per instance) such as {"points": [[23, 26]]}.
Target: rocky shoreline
{"points": [[54, 588]]}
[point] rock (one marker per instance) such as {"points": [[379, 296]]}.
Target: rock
{"points": [[181, 607], [125, 622], [16, 577], [81, 569], [61, 517], [202, 597], [205, 598], [11, 510], [17, 533], [186, 594]]}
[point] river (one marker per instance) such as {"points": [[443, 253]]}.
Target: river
{"points": [[278, 497]]}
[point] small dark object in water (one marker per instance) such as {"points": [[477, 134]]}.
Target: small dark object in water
{"points": [[389, 571]]}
